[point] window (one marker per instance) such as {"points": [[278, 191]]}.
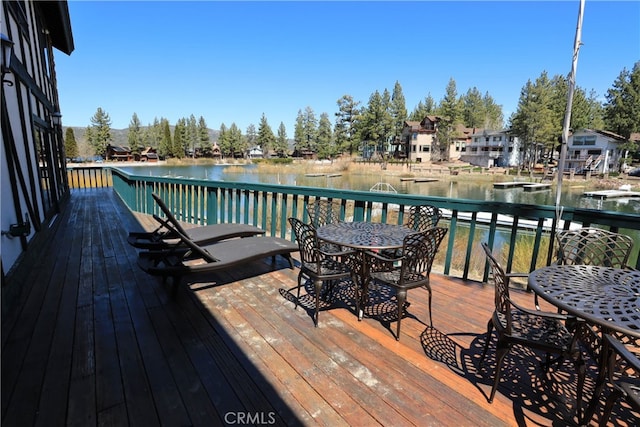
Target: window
{"points": [[414, 136], [425, 148], [474, 149], [497, 138], [584, 140], [476, 139]]}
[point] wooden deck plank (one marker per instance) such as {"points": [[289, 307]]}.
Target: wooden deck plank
{"points": [[96, 341]]}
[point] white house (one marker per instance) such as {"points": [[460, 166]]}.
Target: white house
{"points": [[32, 161], [255, 153], [493, 148], [595, 151]]}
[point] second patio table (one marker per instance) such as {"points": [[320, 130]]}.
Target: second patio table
{"points": [[364, 236], [609, 297], [603, 296]]}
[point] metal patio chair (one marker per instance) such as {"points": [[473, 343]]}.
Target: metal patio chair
{"points": [[319, 266], [538, 330], [412, 268]]}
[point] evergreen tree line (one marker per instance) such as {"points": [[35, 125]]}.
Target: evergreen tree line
{"points": [[359, 128]]}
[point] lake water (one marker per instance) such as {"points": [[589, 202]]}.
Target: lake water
{"points": [[464, 188]]}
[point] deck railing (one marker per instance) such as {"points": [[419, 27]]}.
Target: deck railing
{"points": [[521, 234], [88, 177]]}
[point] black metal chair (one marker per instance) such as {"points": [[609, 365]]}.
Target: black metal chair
{"points": [[538, 330], [412, 267], [623, 371], [317, 265], [423, 217], [323, 211], [419, 218], [593, 246]]}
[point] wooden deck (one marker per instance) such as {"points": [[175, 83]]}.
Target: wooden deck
{"points": [[98, 342]]}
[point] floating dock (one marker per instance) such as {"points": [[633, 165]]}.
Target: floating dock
{"points": [[510, 184], [315, 174], [536, 187], [419, 179], [610, 194], [526, 185]]}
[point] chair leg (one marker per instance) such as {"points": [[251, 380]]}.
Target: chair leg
{"points": [[501, 352], [318, 288], [581, 369], [357, 292], [608, 407], [486, 344], [299, 286], [430, 312], [401, 296]]}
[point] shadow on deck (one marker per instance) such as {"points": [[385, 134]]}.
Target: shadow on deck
{"points": [[94, 340]]}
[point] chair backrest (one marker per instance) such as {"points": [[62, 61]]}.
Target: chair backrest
{"points": [[501, 286], [165, 209], [322, 212], [418, 252], [194, 248], [307, 240], [593, 246], [423, 217]]}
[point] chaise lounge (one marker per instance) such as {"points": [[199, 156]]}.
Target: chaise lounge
{"points": [[163, 238], [189, 258]]}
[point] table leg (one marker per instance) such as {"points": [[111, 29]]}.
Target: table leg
{"points": [[363, 286], [601, 379]]}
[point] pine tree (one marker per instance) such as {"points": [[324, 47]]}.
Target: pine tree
{"points": [[266, 139], [622, 105], [179, 132], [326, 144], [251, 136], [191, 140], [423, 109], [375, 124], [345, 127], [70, 144], [450, 112], [165, 148], [535, 122], [204, 140], [134, 136], [100, 135], [494, 119], [398, 110], [473, 109], [281, 146], [237, 143]]}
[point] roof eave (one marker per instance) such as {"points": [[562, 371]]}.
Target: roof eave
{"points": [[58, 22]]}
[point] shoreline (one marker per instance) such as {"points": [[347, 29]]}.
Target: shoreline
{"points": [[442, 171]]}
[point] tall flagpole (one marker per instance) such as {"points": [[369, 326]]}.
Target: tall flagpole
{"points": [[567, 115]]}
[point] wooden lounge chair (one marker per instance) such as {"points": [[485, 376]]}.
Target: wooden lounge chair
{"points": [[163, 238], [190, 258]]}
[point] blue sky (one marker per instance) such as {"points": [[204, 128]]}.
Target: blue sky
{"points": [[230, 62]]}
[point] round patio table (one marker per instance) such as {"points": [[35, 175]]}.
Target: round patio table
{"points": [[609, 297], [364, 236], [602, 296]]}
